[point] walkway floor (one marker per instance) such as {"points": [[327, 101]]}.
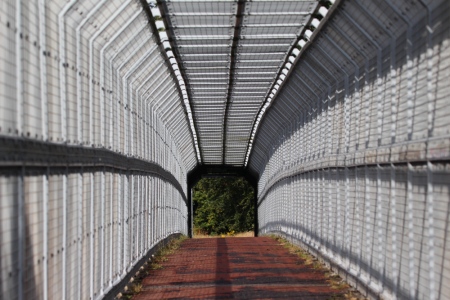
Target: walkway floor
{"points": [[235, 268]]}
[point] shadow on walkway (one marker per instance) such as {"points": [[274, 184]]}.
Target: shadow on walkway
{"points": [[235, 268]]}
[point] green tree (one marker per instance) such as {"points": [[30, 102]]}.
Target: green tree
{"points": [[222, 205]]}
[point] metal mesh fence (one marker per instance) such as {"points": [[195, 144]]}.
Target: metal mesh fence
{"points": [[385, 224], [353, 154], [90, 74], [75, 235], [95, 147]]}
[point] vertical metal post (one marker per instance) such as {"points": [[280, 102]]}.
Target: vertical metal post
{"points": [[410, 222], [315, 210], [62, 73], [161, 195], [151, 215], [126, 116], [43, 74], [157, 216], [79, 231], [45, 234], [19, 71], [330, 229], [291, 182], [393, 198], [138, 231], [367, 221], [141, 215], [134, 218], [165, 208], [358, 224], [91, 240], [347, 226], [111, 227], [323, 232], [146, 213], [255, 209], [339, 242], [101, 230], [115, 138], [153, 136], [120, 225], [148, 224], [430, 233], [378, 216], [146, 133], [65, 233], [430, 167], [191, 211], [141, 123], [125, 223], [21, 232], [155, 210], [131, 245]]}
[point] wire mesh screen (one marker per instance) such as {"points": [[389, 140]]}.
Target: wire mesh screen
{"points": [[87, 73], [231, 53], [353, 154], [96, 139], [75, 235], [95, 147]]}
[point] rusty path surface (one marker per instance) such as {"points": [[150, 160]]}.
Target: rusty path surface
{"points": [[235, 268]]}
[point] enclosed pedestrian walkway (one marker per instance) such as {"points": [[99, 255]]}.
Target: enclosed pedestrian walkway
{"points": [[237, 268], [336, 111]]}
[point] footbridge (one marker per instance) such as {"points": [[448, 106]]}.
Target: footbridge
{"points": [[338, 112]]}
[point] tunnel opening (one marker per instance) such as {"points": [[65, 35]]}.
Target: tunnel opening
{"points": [[215, 175], [223, 206]]}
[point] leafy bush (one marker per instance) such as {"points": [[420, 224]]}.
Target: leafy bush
{"points": [[223, 205]]}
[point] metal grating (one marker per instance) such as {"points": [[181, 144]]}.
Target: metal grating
{"points": [[340, 109], [230, 53], [353, 155]]}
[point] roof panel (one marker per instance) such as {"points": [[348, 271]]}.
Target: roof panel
{"points": [[201, 7], [273, 30], [204, 31], [275, 19], [280, 7], [205, 20], [229, 62]]}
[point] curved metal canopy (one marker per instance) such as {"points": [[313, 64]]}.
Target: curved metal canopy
{"points": [[230, 56]]}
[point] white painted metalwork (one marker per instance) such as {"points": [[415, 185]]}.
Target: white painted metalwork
{"points": [[369, 78], [340, 108], [65, 227]]}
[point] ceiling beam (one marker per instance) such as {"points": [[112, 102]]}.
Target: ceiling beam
{"points": [[168, 24], [237, 32]]}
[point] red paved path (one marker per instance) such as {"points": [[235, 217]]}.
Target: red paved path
{"points": [[235, 268]]}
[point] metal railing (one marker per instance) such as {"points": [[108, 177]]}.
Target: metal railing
{"points": [[359, 172], [92, 165]]}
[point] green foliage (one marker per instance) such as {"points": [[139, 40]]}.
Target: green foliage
{"points": [[222, 205]]}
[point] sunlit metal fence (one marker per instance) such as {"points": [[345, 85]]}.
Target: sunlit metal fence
{"points": [[95, 147], [96, 141], [353, 157]]}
